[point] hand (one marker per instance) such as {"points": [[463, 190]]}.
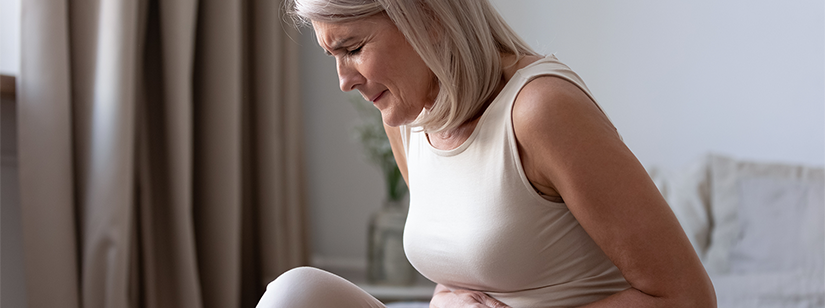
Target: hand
{"points": [[444, 298]]}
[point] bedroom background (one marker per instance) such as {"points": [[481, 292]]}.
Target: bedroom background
{"points": [[679, 80]]}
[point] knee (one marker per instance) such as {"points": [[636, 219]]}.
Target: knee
{"points": [[297, 276], [312, 287], [298, 287]]}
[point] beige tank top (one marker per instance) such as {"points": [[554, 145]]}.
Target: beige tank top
{"points": [[475, 222]]}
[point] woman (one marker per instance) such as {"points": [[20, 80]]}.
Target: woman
{"points": [[522, 191]]}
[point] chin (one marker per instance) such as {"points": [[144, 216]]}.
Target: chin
{"points": [[395, 119]]}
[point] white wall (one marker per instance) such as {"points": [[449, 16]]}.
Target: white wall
{"points": [[9, 37], [678, 78], [681, 78]]}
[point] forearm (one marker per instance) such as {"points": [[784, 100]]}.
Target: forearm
{"points": [[635, 298]]}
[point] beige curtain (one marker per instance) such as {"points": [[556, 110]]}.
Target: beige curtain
{"points": [[160, 152]]}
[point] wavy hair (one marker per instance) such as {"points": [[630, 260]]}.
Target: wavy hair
{"points": [[459, 40]]}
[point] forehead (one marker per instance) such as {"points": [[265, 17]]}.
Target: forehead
{"points": [[332, 34]]}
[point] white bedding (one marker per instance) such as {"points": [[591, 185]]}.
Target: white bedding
{"points": [[771, 290], [758, 228]]}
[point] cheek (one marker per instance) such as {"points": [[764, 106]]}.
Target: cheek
{"points": [[370, 69], [429, 88]]}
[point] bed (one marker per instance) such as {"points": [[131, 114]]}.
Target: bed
{"points": [[758, 227]]}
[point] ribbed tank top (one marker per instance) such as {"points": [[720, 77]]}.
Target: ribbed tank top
{"points": [[475, 222]]}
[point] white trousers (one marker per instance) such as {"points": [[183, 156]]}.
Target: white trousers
{"points": [[309, 287]]}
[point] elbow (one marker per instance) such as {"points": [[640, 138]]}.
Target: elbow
{"points": [[707, 298], [698, 295], [682, 293]]}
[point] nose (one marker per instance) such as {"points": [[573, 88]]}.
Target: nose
{"points": [[348, 76]]}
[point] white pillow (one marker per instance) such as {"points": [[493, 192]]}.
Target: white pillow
{"points": [[689, 198], [765, 217]]}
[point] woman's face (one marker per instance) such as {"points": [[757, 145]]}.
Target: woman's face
{"points": [[374, 58]]}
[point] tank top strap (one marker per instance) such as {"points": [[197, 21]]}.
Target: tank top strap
{"points": [[551, 66]]}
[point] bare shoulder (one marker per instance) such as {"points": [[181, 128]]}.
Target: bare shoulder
{"points": [[551, 118], [554, 102]]}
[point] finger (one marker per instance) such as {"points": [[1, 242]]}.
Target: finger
{"points": [[493, 303]]}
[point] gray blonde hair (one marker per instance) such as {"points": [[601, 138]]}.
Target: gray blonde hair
{"points": [[464, 53]]}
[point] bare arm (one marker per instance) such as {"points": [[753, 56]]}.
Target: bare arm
{"points": [[570, 149], [394, 134]]}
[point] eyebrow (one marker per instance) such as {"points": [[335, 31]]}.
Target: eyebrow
{"points": [[337, 45]]}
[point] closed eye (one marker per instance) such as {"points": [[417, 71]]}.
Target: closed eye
{"points": [[355, 51]]}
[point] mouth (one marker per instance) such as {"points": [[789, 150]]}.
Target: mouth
{"points": [[379, 96]]}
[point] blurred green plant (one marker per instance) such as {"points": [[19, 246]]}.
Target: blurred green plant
{"points": [[372, 136]]}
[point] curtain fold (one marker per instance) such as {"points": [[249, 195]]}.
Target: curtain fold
{"points": [[160, 152], [217, 142], [168, 260], [280, 177], [47, 196]]}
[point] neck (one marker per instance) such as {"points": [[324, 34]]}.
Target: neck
{"points": [[453, 138]]}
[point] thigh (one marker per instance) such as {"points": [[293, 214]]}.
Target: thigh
{"points": [[306, 287]]}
